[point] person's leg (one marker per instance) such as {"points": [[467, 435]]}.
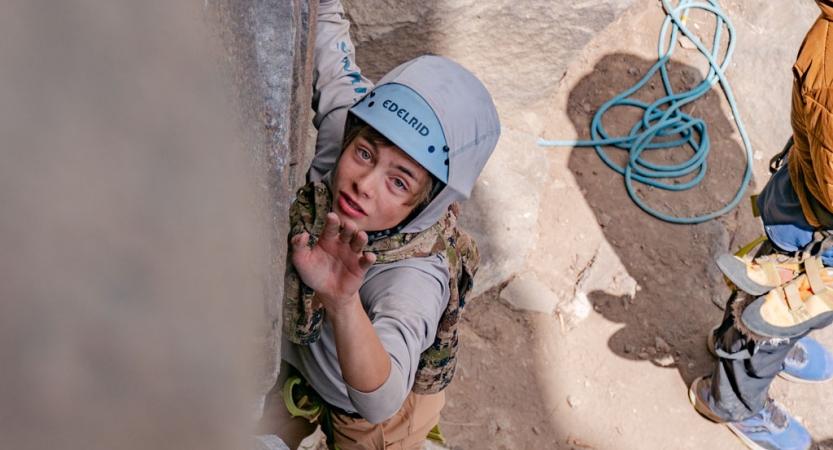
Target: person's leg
{"points": [[406, 430], [737, 391], [420, 414], [276, 418], [740, 382], [348, 433]]}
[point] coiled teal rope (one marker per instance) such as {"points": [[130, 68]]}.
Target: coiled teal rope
{"points": [[670, 121]]}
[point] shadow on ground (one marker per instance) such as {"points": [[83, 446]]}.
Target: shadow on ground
{"points": [[679, 286], [681, 289], [827, 444]]}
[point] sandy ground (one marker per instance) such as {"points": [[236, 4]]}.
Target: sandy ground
{"points": [[528, 380]]}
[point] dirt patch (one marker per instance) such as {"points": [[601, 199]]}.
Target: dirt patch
{"points": [[618, 380], [496, 395]]}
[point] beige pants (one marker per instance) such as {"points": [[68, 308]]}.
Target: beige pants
{"points": [[406, 430]]}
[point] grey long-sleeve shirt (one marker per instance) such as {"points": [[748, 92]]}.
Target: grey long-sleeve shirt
{"points": [[337, 85], [405, 299]]}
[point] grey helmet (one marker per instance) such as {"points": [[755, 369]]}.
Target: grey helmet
{"points": [[400, 114], [443, 117]]}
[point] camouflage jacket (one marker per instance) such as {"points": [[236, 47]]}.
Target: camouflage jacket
{"points": [[303, 313]]}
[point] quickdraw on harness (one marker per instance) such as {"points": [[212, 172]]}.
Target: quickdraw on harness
{"points": [[308, 404]]}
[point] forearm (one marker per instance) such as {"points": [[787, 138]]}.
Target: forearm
{"points": [[338, 80], [338, 84], [365, 364]]}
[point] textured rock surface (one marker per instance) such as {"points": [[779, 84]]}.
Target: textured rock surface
{"points": [[126, 233], [269, 51], [519, 50], [530, 295], [502, 214]]}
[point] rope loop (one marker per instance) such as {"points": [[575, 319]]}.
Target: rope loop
{"points": [[665, 119]]}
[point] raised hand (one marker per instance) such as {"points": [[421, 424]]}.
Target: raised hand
{"points": [[335, 266]]}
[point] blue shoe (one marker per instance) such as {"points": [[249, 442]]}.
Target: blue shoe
{"points": [[771, 429], [807, 362]]}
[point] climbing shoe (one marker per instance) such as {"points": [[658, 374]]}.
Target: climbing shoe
{"points": [[764, 274], [793, 309], [772, 428]]}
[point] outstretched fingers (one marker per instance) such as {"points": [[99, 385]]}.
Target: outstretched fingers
{"points": [[348, 233], [345, 233], [300, 241], [367, 259], [358, 241], [331, 226]]}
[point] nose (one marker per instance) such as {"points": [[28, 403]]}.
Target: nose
{"points": [[365, 184]]}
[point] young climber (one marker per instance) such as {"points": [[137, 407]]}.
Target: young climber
{"points": [[796, 203], [378, 270]]}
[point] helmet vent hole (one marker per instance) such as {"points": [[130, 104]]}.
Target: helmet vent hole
{"points": [[431, 149], [446, 161], [370, 104], [445, 149]]}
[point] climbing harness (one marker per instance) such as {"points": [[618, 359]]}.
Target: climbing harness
{"points": [[671, 121], [302, 401]]}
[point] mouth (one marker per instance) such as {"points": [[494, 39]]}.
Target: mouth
{"points": [[349, 206]]}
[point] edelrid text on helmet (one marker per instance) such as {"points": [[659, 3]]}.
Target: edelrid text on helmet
{"points": [[400, 114], [403, 114]]}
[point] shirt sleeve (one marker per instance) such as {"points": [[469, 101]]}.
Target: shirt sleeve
{"points": [[405, 305], [337, 85]]}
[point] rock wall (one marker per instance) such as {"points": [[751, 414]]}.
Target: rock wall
{"points": [[519, 49], [143, 234], [268, 47]]}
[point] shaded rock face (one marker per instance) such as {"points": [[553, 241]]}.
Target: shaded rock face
{"points": [[502, 214], [267, 49], [141, 234], [519, 50]]}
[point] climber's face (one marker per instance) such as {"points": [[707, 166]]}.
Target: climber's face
{"points": [[377, 186]]}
